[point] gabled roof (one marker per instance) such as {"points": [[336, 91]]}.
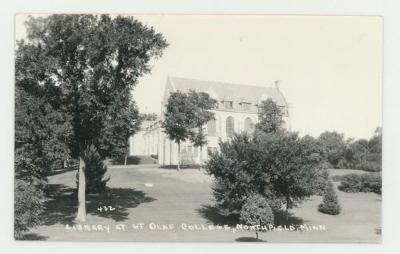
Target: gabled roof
{"points": [[230, 92]]}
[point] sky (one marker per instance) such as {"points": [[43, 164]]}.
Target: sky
{"points": [[329, 67]]}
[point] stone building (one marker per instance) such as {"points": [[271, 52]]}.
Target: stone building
{"points": [[237, 112]]}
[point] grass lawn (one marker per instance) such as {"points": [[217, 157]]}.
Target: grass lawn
{"points": [[178, 206]]}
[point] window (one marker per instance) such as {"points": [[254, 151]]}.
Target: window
{"points": [[212, 128], [245, 105], [230, 127], [248, 125], [228, 104]]}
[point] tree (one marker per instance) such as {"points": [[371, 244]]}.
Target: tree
{"points": [[292, 164], [177, 122], [239, 172], [321, 179], [94, 60], [270, 117], [334, 145], [363, 154], [375, 150], [256, 212], [41, 136], [279, 166], [203, 103], [123, 121], [330, 204], [27, 207]]}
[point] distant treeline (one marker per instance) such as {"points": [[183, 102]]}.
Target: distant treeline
{"points": [[364, 154]]}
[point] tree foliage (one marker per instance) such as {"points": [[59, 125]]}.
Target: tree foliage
{"points": [[256, 212], [177, 121], [185, 116], [270, 117], [86, 66], [41, 135], [239, 172], [27, 207], [365, 154], [293, 165], [279, 166], [334, 146], [148, 116], [203, 104]]}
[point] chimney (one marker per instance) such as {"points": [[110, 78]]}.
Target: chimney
{"points": [[277, 84]]}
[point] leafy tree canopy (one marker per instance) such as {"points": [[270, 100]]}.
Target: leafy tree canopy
{"points": [[202, 105], [95, 61], [270, 117]]}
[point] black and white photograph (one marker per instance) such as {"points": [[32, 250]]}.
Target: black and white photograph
{"points": [[198, 128]]}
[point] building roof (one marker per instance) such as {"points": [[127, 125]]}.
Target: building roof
{"points": [[230, 92]]}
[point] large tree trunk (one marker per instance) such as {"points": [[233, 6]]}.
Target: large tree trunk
{"points": [[179, 156], [81, 215]]}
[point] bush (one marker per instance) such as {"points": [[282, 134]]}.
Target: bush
{"points": [[369, 182], [330, 204], [27, 207], [234, 169], [370, 165], [256, 211], [279, 166]]}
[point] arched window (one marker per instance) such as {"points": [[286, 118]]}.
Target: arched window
{"points": [[230, 126], [248, 125], [212, 128]]}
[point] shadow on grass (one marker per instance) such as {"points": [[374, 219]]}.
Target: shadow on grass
{"points": [[249, 239], [32, 237], [62, 203], [212, 215], [280, 220]]}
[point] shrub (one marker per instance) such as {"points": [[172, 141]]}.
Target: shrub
{"points": [[94, 171], [330, 204], [256, 211], [351, 183], [369, 165], [279, 166], [368, 182], [238, 172], [27, 207], [372, 183]]}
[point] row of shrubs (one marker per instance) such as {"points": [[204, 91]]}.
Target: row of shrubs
{"points": [[369, 182]]}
